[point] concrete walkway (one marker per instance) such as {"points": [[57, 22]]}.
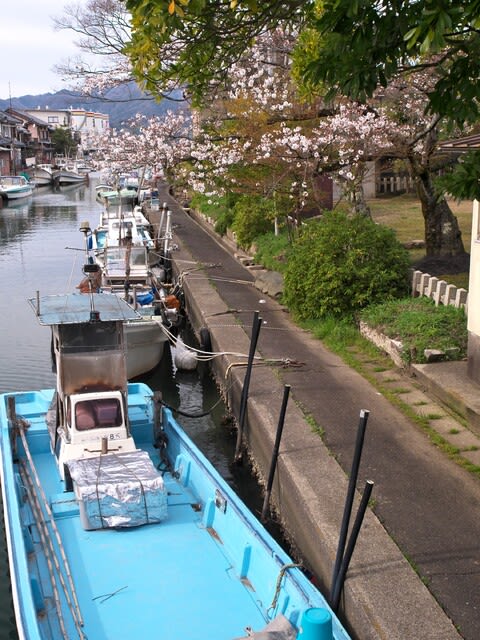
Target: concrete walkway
{"points": [[425, 505]]}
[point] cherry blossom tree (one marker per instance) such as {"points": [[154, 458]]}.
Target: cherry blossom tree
{"points": [[261, 137], [102, 31], [159, 144], [413, 138]]}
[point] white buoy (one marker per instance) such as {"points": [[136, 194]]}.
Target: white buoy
{"points": [[185, 360]]}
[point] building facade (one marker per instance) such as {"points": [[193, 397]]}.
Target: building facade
{"points": [[38, 144], [14, 138], [87, 127]]}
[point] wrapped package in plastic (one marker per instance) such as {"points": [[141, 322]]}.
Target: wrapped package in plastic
{"points": [[118, 490]]}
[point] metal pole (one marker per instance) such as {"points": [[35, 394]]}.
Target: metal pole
{"points": [[337, 588], [362, 425], [160, 227], [276, 447], [257, 323]]}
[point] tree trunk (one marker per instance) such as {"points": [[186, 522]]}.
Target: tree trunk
{"points": [[442, 233]]}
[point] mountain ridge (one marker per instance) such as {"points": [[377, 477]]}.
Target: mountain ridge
{"points": [[120, 103]]}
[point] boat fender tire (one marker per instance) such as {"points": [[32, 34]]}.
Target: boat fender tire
{"points": [[205, 340]]}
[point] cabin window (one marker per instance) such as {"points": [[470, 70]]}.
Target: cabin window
{"points": [[93, 414], [76, 338], [138, 256]]}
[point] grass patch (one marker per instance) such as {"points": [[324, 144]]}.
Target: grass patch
{"points": [[404, 215], [270, 251], [401, 213], [420, 325]]}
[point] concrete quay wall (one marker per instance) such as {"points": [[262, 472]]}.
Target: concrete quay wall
{"points": [[383, 598]]}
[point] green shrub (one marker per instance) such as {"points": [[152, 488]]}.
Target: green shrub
{"points": [[340, 264], [224, 221], [253, 217], [212, 206], [220, 208]]}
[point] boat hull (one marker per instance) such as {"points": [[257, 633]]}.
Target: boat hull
{"points": [[42, 176], [17, 194], [15, 188], [145, 342], [62, 177], [208, 570]]}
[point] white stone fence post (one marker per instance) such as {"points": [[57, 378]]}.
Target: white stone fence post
{"points": [[440, 291]]}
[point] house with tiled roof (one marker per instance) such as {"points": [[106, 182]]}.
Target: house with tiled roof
{"points": [[11, 144], [87, 127], [39, 148]]}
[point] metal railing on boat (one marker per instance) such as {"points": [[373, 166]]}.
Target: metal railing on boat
{"points": [[39, 505]]}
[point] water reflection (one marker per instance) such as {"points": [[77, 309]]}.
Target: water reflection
{"points": [[194, 398]]}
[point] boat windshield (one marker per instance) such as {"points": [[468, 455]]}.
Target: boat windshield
{"points": [[98, 413], [118, 257], [12, 181], [89, 336]]}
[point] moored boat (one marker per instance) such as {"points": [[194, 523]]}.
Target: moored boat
{"points": [[15, 187], [118, 224], [68, 174], [42, 174], [110, 196], [116, 266], [117, 525]]}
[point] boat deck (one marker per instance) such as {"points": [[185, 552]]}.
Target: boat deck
{"points": [[168, 580], [207, 570], [171, 580]]}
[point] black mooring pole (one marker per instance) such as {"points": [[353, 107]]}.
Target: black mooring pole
{"points": [[257, 323], [276, 448], [362, 425], [338, 586]]}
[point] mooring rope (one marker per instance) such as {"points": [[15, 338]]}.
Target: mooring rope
{"points": [[283, 569]]}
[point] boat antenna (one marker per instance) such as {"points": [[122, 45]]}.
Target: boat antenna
{"points": [[90, 269]]}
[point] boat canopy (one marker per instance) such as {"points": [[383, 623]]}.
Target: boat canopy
{"points": [[76, 308]]}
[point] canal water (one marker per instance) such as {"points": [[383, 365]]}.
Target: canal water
{"points": [[41, 248]]}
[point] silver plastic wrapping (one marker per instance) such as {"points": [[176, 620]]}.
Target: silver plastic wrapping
{"points": [[118, 490], [280, 628]]}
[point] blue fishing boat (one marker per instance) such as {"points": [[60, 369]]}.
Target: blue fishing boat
{"points": [[117, 526]]}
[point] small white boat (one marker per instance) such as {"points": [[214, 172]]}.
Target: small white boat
{"points": [[84, 167], [68, 175], [42, 174], [117, 226], [15, 187], [118, 267], [110, 196]]}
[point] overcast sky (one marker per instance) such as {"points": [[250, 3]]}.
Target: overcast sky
{"points": [[30, 47]]}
